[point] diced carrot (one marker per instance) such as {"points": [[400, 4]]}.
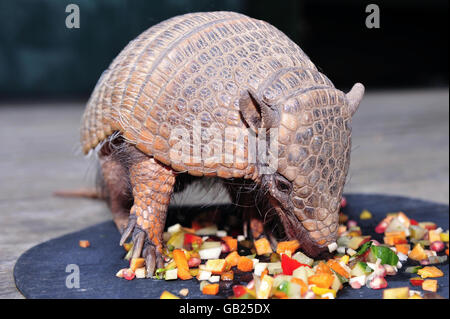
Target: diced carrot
{"points": [[403, 248], [333, 264], [136, 263], [323, 268], [291, 246], [303, 285], [211, 289], [232, 258], [321, 280], [446, 251], [245, 264], [430, 285], [227, 275], [182, 264], [84, 243], [231, 242], [262, 246], [280, 294], [392, 238]]}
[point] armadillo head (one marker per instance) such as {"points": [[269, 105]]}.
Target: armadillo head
{"points": [[314, 143]]}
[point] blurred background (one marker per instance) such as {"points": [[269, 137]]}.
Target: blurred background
{"points": [[47, 72]]}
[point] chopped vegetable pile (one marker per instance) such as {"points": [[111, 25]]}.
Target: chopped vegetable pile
{"points": [[244, 269]]}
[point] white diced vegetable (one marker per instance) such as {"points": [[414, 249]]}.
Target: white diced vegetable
{"points": [[255, 261], [203, 275], [240, 238], [351, 252], [341, 250], [259, 268], [174, 229], [357, 282], [184, 292], [207, 231], [302, 258], [274, 268], [171, 274], [140, 273], [214, 279], [332, 247], [210, 253], [402, 257]]}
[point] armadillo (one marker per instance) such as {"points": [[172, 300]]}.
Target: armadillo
{"points": [[231, 73]]}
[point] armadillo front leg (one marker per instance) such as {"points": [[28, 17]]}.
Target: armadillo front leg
{"points": [[152, 185]]}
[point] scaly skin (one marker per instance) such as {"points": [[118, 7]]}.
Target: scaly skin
{"points": [[152, 185], [226, 71]]}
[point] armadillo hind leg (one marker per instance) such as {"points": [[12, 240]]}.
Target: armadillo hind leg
{"points": [[116, 190], [152, 184]]}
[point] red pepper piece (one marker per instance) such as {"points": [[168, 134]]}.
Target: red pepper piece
{"points": [[289, 264], [239, 290], [381, 227], [413, 222], [189, 239], [416, 281]]}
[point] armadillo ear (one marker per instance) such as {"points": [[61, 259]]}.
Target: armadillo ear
{"points": [[256, 112], [354, 97]]}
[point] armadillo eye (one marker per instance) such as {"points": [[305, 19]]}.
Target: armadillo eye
{"points": [[282, 184]]}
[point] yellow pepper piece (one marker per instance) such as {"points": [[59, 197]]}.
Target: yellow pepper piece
{"points": [[365, 215], [345, 259], [444, 237], [430, 272], [321, 291], [168, 295], [415, 296]]}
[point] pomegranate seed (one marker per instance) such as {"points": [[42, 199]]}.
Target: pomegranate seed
{"points": [[437, 246]]}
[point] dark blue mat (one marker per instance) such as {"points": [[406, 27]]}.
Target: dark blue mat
{"points": [[41, 271]]}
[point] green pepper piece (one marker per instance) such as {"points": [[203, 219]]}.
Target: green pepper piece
{"points": [[364, 248]]}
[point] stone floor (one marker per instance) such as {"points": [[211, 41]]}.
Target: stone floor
{"points": [[400, 146]]}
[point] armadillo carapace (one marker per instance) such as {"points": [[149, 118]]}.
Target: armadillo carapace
{"points": [[203, 79]]}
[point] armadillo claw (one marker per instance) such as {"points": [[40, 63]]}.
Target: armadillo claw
{"points": [[138, 240], [127, 231], [153, 259]]}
